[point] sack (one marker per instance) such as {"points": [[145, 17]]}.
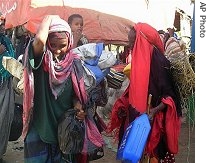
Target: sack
{"points": [[127, 70], [99, 76], [183, 77], [86, 52], [99, 94], [116, 76], [17, 123], [13, 66], [71, 133], [89, 78], [107, 59]]}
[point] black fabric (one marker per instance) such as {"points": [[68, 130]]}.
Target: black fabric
{"points": [[96, 154], [122, 129], [71, 133], [99, 94], [99, 123], [161, 83], [20, 48], [163, 146], [17, 123]]}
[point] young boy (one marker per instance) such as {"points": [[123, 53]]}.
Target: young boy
{"points": [[75, 21]]}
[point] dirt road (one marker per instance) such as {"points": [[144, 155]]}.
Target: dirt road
{"points": [[186, 153]]}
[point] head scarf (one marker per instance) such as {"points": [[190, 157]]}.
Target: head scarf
{"points": [[59, 25], [147, 38], [59, 72]]}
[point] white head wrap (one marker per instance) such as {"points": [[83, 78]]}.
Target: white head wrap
{"points": [[60, 25]]}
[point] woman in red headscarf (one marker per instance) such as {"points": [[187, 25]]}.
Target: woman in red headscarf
{"points": [[150, 74]]}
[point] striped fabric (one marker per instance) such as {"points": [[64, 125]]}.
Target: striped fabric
{"points": [[115, 78]]}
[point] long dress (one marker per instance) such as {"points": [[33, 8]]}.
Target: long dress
{"points": [[7, 104]]}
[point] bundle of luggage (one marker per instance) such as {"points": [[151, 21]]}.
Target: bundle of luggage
{"points": [[181, 69]]}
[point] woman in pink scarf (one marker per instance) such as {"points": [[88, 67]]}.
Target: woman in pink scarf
{"points": [[52, 85]]}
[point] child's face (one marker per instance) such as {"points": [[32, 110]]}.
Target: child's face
{"points": [[77, 25]]}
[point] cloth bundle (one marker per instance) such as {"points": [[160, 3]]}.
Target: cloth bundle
{"points": [[71, 133], [116, 76]]}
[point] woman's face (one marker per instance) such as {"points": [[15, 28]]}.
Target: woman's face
{"points": [[77, 24], [58, 46], [131, 38]]}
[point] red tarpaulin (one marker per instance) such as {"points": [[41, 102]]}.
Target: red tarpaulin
{"points": [[98, 26]]}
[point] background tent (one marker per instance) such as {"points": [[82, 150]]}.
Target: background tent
{"points": [[98, 26]]}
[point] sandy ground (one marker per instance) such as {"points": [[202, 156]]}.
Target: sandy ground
{"points": [[186, 153]]}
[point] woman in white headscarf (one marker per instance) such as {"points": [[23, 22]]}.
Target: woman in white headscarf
{"points": [[50, 88]]}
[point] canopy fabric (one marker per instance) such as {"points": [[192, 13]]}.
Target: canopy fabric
{"points": [[98, 26]]}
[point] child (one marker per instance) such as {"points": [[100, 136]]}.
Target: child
{"points": [[76, 23]]}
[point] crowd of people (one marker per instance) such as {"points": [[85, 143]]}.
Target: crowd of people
{"points": [[54, 83]]}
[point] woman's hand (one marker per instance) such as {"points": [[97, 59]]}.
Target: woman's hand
{"points": [[80, 114], [2, 48], [155, 110], [42, 34], [152, 113]]}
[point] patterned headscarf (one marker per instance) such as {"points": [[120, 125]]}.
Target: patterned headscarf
{"points": [[59, 25], [59, 72]]}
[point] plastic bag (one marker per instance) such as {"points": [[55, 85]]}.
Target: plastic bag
{"points": [[71, 133]]}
